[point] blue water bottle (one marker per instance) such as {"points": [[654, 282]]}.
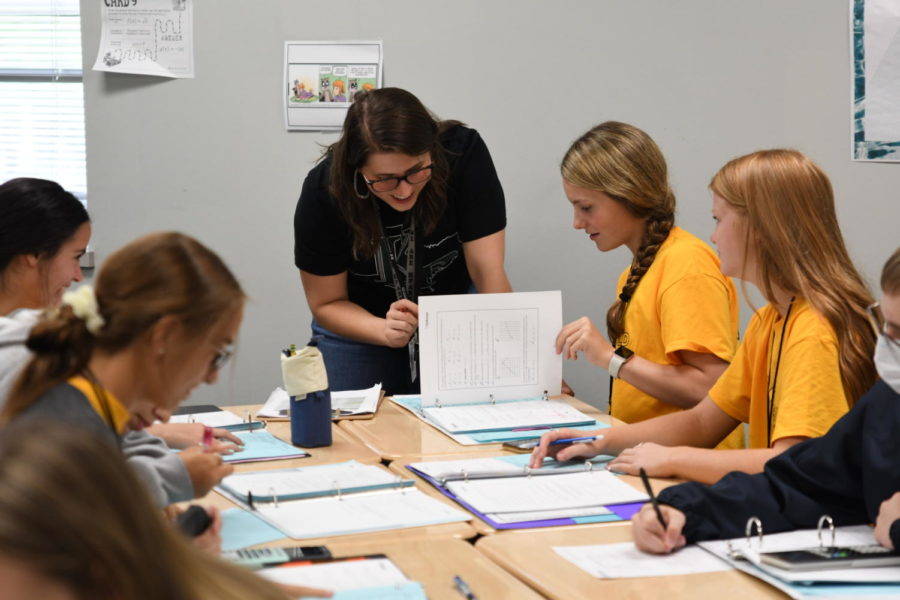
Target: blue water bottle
{"points": [[311, 409]]}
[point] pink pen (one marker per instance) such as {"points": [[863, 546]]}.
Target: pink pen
{"points": [[207, 436]]}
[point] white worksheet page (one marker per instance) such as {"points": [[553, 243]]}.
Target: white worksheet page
{"points": [[478, 347], [545, 492]]}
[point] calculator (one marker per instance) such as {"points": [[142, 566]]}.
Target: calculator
{"points": [[257, 558], [832, 557]]}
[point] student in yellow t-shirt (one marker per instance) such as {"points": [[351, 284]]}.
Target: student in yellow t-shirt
{"points": [[675, 321], [806, 356]]}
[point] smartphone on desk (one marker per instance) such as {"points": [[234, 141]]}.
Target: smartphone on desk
{"points": [[521, 446], [258, 558], [832, 557]]}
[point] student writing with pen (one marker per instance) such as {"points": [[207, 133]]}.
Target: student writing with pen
{"points": [[672, 329], [850, 473], [806, 356]]}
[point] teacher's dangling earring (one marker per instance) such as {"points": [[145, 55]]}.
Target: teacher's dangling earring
{"points": [[356, 177]]}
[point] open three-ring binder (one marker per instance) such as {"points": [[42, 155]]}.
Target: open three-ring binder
{"points": [[745, 554], [340, 499], [506, 494], [489, 367]]}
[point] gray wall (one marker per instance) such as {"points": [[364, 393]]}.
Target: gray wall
{"points": [[708, 79]]}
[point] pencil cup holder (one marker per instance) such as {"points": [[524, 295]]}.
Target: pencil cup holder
{"points": [[311, 419]]}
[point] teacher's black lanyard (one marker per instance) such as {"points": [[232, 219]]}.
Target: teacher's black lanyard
{"points": [[408, 291]]}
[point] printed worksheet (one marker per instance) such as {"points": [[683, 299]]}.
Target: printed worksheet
{"points": [[477, 348]]}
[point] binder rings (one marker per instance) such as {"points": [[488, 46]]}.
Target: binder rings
{"points": [[744, 554], [331, 500], [504, 493]]}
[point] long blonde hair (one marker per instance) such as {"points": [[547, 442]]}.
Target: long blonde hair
{"points": [[793, 232], [73, 511], [625, 163]]}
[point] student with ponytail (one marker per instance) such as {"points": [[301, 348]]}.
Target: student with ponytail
{"points": [[674, 325], [164, 317], [44, 230], [806, 356]]}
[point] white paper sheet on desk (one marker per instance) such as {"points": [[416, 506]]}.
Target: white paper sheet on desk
{"points": [[613, 561], [474, 346], [506, 415], [859, 535], [547, 492], [218, 418], [359, 513], [307, 480], [277, 405], [357, 402], [341, 575]]}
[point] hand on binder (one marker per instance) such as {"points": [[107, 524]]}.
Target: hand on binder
{"points": [[648, 532], [653, 458], [568, 451]]}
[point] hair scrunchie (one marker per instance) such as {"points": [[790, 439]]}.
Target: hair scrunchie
{"points": [[83, 302]]}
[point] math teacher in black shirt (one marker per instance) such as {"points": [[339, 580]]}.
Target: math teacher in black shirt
{"points": [[402, 205]]}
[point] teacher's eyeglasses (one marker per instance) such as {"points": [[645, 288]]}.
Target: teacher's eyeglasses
{"points": [[389, 184]]}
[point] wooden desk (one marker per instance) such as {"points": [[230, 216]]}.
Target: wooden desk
{"points": [[435, 562], [344, 446], [396, 433], [529, 555], [399, 467]]}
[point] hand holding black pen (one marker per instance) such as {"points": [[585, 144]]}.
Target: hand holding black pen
{"points": [[657, 528], [566, 444]]}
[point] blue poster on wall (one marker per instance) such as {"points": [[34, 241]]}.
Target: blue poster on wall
{"points": [[875, 41]]}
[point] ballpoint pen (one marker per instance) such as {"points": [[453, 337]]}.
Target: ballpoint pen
{"points": [[463, 588], [652, 497], [576, 440]]}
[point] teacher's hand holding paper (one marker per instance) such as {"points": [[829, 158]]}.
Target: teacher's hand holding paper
{"points": [[400, 323]]}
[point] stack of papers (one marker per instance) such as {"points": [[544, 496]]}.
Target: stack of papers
{"points": [[343, 404], [372, 578]]}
